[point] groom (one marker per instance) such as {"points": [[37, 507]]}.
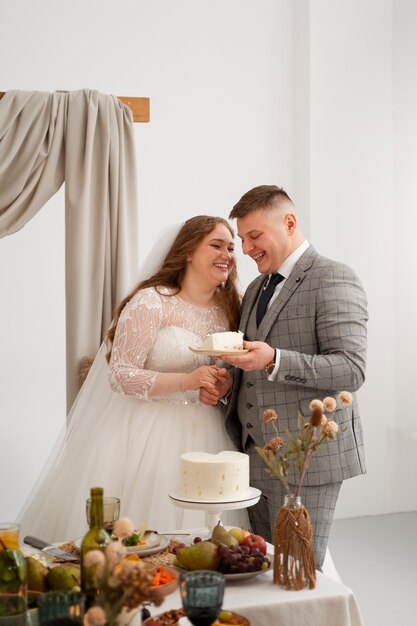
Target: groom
{"points": [[306, 333]]}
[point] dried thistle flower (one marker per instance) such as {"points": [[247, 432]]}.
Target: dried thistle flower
{"points": [[94, 557], [277, 443], [270, 415], [345, 398], [329, 404], [120, 585], [329, 429], [123, 528], [274, 445], [316, 404], [316, 415], [115, 552], [95, 616], [301, 444]]}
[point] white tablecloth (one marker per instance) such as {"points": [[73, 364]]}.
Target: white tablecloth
{"points": [[266, 604]]}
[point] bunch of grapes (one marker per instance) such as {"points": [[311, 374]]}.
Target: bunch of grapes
{"points": [[242, 560]]}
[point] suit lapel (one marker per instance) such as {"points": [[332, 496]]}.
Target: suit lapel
{"points": [[292, 283]]}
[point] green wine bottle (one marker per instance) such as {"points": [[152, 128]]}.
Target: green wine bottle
{"points": [[96, 539]]}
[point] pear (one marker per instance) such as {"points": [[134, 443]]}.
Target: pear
{"points": [[221, 537], [37, 574], [64, 577], [202, 555]]}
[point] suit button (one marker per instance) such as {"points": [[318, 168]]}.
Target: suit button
{"points": [[303, 380], [288, 377], [249, 425], [298, 380], [248, 384], [249, 405]]}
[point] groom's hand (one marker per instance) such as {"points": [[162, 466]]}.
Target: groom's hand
{"points": [[259, 354], [222, 387], [208, 397]]}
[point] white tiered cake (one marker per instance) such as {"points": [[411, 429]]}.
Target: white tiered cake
{"points": [[221, 477], [223, 341]]}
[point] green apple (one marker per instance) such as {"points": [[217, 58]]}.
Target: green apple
{"points": [[239, 533]]}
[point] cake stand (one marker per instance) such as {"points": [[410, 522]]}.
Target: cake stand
{"points": [[215, 508]]}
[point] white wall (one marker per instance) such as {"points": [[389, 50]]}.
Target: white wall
{"points": [[403, 214], [218, 115], [316, 96], [351, 198], [363, 156]]}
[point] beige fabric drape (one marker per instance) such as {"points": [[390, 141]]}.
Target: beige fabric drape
{"points": [[86, 139]]}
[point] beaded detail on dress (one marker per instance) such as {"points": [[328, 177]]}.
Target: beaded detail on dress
{"points": [[152, 336]]}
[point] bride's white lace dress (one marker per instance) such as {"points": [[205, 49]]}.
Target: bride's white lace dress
{"points": [[126, 441]]}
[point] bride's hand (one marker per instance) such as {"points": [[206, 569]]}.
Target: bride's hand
{"points": [[204, 376], [223, 385]]}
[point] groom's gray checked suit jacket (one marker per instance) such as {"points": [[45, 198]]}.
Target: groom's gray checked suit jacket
{"points": [[318, 321]]}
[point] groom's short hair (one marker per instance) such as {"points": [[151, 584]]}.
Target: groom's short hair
{"points": [[261, 197]]}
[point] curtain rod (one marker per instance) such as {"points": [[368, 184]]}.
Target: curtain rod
{"points": [[139, 106]]}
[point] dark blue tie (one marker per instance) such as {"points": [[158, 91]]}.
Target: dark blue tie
{"points": [[266, 294]]}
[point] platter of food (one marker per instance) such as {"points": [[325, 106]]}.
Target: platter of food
{"points": [[246, 575], [237, 554], [151, 544]]}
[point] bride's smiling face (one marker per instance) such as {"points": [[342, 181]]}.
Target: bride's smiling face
{"points": [[214, 257]]}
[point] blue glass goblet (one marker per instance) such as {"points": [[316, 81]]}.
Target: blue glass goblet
{"points": [[202, 596]]}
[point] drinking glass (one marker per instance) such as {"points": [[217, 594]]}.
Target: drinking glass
{"points": [[111, 512], [61, 608], [202, 596], [12, 577]]}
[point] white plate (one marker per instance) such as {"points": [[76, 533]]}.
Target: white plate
{"points": [[151, 541], [154, 543], [147, 550], [232, 577], [217, 352], [253, 493], [246, 575]]}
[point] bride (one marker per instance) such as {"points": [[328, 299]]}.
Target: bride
{"points": [[139, 408]]}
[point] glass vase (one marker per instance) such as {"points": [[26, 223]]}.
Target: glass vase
{"points": [[294, 564], [13, 587]]}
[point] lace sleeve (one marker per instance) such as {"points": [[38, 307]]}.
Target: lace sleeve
{"points": [[135, 333]]}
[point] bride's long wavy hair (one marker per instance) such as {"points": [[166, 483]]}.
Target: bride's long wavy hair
{"points": [[172, 272]]}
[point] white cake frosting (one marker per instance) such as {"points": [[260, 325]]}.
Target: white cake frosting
{"points": [[223, 476], [223, 341]]}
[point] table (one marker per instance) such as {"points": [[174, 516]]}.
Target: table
{"points": [[330, 604]]}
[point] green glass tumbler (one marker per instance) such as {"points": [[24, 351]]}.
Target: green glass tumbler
{"points": [[61, 608]]}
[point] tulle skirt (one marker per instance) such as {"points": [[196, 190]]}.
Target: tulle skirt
{"points": [[132, 449]]}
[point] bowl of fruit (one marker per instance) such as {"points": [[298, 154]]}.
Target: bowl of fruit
{"points": [[236, 553]]}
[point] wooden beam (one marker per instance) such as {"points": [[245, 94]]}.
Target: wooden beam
{"points": [[140, 107]]}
